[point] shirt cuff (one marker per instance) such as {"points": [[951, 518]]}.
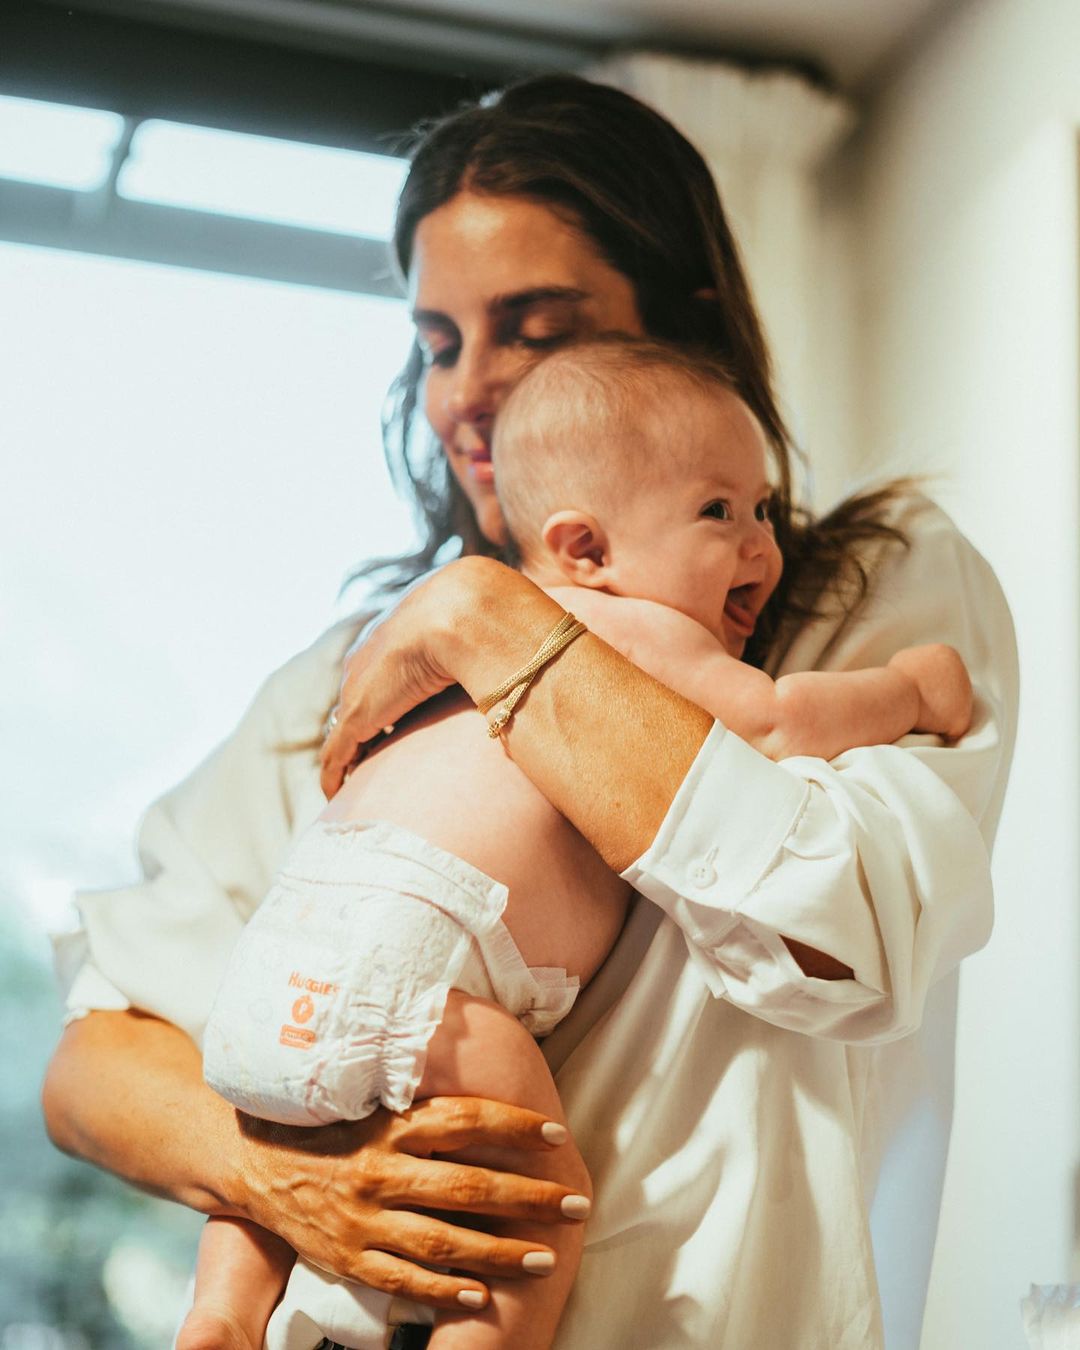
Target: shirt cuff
{"points": [[722, 833], [84, 988]]}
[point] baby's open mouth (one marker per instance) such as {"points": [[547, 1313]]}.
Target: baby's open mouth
{"points": [[741, 609]]}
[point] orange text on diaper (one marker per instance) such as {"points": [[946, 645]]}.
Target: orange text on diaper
{"points": [[299, 1037], [298, 981]]}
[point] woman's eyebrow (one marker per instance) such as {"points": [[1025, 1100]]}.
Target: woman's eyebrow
{"points": [[512, 302], [535, 295], [430, 318]]}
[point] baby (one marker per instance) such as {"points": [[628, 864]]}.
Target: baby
{"points": [[441, 914]]}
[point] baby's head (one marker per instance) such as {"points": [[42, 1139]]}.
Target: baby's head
{"points": [[633, 467]]}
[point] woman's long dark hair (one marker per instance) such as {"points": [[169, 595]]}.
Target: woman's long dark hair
{"points": [[646, 199]]}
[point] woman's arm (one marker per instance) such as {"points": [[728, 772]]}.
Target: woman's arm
{"points": [[145, 1114], [474, 623], [471, 624], [125, 1090], [876, 866]]}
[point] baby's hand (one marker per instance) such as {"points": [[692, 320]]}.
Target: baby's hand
{"points": [[943, 685]]}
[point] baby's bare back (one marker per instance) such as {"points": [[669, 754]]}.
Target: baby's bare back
{"points": [[441, 776]]}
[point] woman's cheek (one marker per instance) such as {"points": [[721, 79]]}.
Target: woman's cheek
{"points": [[481, 496], [490, 519]]}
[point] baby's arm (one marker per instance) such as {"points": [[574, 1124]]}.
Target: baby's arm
{"points": [[820, 713]]}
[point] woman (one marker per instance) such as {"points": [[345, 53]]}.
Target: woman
{"points": [[733, 1160]]}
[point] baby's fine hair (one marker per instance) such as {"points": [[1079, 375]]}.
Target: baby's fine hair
{"points": [[574, 432]]}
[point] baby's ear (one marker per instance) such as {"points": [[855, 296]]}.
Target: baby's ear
{"points": [[578, 545]]}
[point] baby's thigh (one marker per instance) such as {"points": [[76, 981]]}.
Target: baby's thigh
{"points": [[479, 1049]]}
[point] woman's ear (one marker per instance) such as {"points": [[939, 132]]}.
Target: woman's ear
{"points": [[578, 545]]}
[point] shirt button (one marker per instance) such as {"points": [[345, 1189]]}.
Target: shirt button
{"points": [[704, 874]]}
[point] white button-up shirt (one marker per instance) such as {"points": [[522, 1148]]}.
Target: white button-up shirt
{"points": [[767, 1149]]}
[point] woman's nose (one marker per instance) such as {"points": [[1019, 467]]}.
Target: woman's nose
{"points": [[476, 391]]}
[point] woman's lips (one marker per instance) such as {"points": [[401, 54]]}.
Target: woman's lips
{"points": [[481, 469]]}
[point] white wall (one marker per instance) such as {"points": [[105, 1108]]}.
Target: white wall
{"points": [[956, 210]]}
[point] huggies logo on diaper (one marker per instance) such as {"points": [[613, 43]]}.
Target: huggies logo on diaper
{"points": [[298, 981], [303, 1010]]}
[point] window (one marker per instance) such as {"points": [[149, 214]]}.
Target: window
{"points": [[193, 464]]}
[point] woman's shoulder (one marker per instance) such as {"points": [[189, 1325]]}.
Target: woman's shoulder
{"points": [[919, 517], [297, 695], [910, 534], [929, 549], [926, 582]]}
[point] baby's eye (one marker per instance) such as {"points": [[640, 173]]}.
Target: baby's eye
{"points": [[718, 510], [763, 510]]}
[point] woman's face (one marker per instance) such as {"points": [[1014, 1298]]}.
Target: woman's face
{"points": [[495, 284]]}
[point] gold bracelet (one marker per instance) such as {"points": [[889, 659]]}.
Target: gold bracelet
{"points": [[513, 689]]}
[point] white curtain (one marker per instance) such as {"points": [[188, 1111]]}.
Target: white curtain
{"points": [[765, 135]]}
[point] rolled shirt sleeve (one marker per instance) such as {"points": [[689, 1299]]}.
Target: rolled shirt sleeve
{"points": [[880, 858]]}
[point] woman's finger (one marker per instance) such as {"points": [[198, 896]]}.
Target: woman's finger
{"points": [[342, 750], [384, 679], [419, 1237], [447, 1124], [460, 1188], [402, 661], [393, 1275]]}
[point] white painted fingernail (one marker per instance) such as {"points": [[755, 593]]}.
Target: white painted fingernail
{"points": [[576, 1206], [554, 1133], [538, 1263], [471, 1298]]}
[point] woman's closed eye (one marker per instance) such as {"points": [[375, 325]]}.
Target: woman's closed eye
{"points": [[439, 356], [438, 347], [546, 343], [443, 355], [537, 333]]}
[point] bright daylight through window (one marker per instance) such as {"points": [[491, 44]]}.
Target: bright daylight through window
{"points": [[194, 464]]}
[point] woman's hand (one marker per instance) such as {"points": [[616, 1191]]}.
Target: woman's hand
{"points": [[345, 1196], [589, 720], [438, 635]]}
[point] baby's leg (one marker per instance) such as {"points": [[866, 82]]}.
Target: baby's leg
{"points": [[239, 1277], [481, 1050]]}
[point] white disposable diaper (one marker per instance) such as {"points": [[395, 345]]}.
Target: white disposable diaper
{"points": [[340, 977]]}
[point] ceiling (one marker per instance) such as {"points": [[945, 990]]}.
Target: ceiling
{"points": [[849, 42], [847, 39]]}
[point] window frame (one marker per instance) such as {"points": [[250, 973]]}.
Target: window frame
{"points": [[364, 95]]}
